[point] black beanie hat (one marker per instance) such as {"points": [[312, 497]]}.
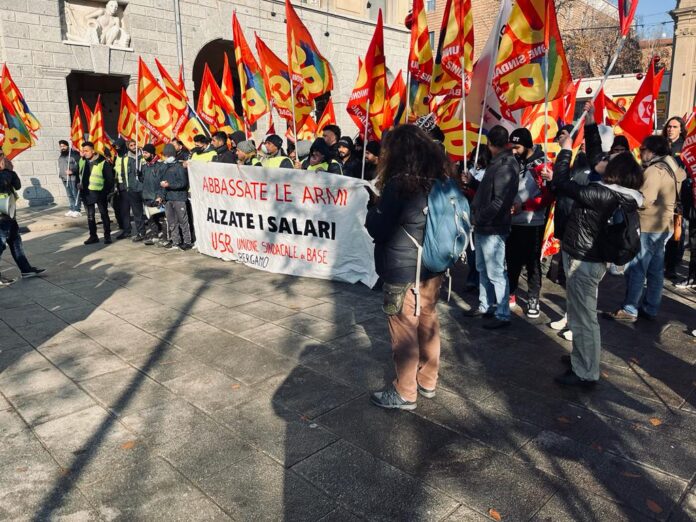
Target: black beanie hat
{"points": [[149, 147], [522, 137]]}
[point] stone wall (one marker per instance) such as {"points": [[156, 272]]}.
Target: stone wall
{"points": [[31, 43]]}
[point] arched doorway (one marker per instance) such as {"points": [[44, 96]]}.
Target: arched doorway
{"points": [[88, 87], [213, 53]]}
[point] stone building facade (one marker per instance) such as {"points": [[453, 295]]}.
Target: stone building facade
{"points": [[683, 87], [57, 52]]}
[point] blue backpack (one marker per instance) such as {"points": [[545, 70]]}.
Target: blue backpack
{"points": [[447, 231]]}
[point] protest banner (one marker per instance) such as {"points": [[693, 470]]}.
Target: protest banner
{"points": [[283, 221]]}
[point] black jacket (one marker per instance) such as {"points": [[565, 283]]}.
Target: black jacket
{"points": [[90, 197], [225, 155], [352, 168], [182, 155], [387, 222], [495, 195], [594, 205], [9, 183], [175, 175], [151, 175]]}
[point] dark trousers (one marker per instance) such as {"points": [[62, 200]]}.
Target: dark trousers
{"points": [[92, 217], [9, 236], [131, 201], [692, 248], [674, 252], [523, 249], [116, 206], [178, 222]]}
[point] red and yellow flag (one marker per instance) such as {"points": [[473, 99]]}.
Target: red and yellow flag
{"points": [[420, 61], [176, 91], [533, 118], [531, 34], [77, 132], [154, 109], [328, 117], [97, 134], [87, 111], [15, 137], [612, 112], [127, 117], [310, 71], [448, 117], [455, 51], [371, 87], [227, 83], [14, 97], [214, 109], [277, 78], [395, 108], [254, 97]]}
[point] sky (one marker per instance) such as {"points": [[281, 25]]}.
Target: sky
{"points": [[652, 13]]}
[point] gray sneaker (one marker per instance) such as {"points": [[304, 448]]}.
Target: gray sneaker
{"points": [[425, 392], [390, 399]]}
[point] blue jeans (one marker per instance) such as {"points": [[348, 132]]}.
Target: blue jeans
{"points": [[71, 189], [9, 236], [648, 264], [494, 288]]}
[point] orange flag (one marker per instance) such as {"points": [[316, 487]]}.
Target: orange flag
{"points": [[127, 116], [328, 117], [14, 134], [214, 109], [77, 133], [420, 61], [154, 109], [449, 119], [530, 34], [14, 97], [308, 129], [310, 71], [533, 119], [254, 96], [613, 112], [455, 52], [176, 92], [87, 111]]}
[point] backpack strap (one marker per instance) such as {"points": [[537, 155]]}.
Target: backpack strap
{"points": [[416, 287]]}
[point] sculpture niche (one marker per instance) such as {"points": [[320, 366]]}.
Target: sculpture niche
{"points": [[101, 25]]}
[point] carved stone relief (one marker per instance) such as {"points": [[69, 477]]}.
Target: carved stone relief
{"points": [[95, 23]]}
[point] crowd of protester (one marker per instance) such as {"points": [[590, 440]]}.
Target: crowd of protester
{"points": [[510, 184]]}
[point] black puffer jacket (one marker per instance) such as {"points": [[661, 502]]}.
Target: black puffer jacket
{"points": [[387, 222], [495, 195], [151, 175], [175, 174], [225, 155], [594, 206]]}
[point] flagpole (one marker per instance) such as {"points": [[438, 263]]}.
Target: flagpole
{"points": [[408, 93], [367, 124], [294, 117], [489, 79], [604, 80], [547, 42]]}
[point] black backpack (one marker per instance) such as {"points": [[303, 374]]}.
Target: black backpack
{"points": [[619, 241]]}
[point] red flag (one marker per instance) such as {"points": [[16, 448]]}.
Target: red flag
{"points": [[420, 61], [251, 82], [87, 111], [613, 112], [214, 109], [328, 117], [627, 10], [688, 157], [396, 103], [16, 137], [599, 107], [14, 97], [97, 134], [271, 126], [638, 121]]}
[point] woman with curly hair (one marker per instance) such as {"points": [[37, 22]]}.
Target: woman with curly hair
{"points": [[410, 161]]}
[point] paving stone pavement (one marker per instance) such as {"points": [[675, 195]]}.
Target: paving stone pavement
{"points": [[140, 384]]}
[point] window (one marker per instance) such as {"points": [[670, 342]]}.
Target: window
{"points": [[431, 34], [375, 6], [430, 5]]}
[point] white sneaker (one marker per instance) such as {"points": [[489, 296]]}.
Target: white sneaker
{"points": [[567, 335], [693, 333], [69, 213], [560, 324]]}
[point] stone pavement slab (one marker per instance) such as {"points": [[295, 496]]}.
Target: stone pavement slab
{"points": [[137, 383]]}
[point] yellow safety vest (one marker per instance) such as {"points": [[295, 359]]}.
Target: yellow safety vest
{"points": [[206, 156], [274, 162], [120, 177], [324, 166], [96, 175], [253, 162]]}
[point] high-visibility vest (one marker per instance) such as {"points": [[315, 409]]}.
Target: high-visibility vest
{"points": [[324, 166], [96, 175], [206, 156], [120, 164], [274, 162], [253, 162]]}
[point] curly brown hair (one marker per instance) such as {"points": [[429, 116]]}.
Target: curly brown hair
{"points": [[411, 156]]}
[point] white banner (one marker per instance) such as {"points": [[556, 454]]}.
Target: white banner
{"points": [[283, 221]]}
